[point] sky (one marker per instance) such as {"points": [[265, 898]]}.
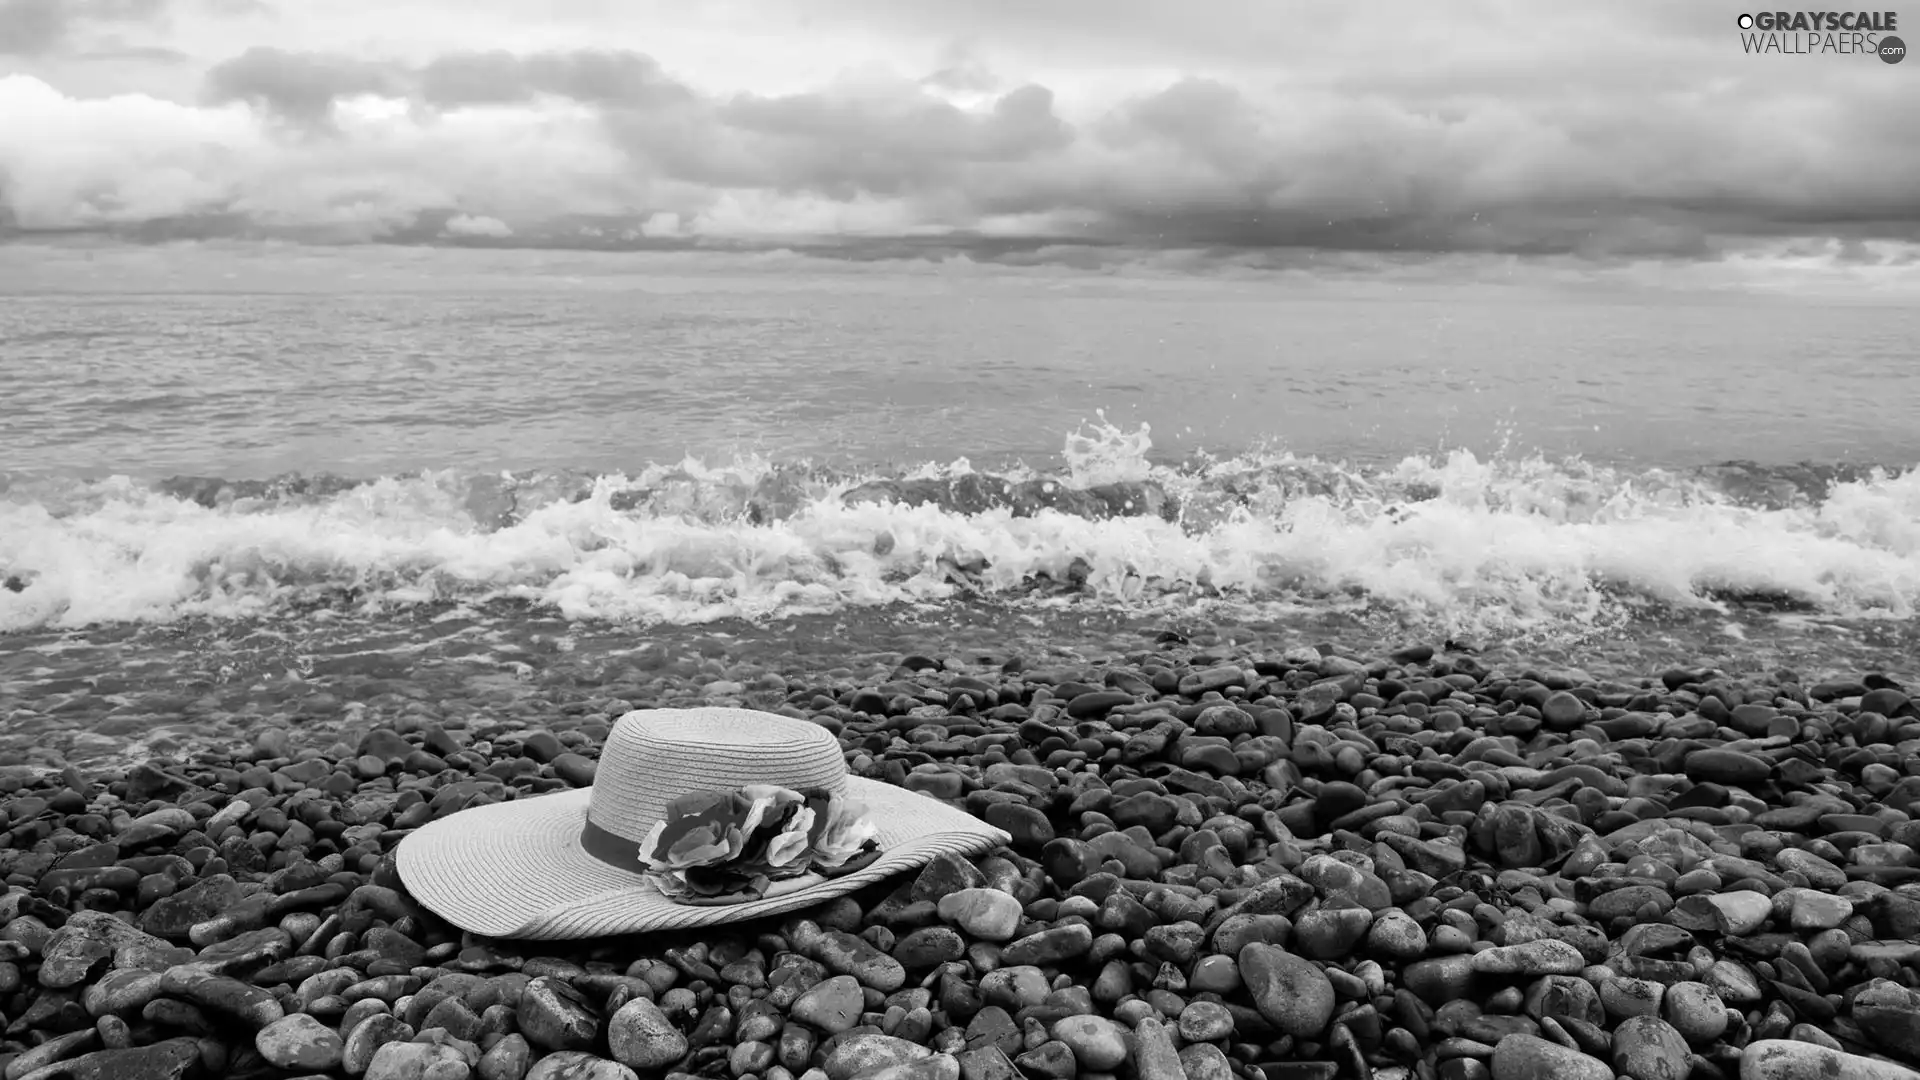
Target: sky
{"points": [[1612, 130]]}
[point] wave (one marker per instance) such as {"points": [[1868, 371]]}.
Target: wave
{"points": [[1477, 544]]}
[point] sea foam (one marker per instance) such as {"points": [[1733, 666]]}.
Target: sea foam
{"points": [[1469, 542]]}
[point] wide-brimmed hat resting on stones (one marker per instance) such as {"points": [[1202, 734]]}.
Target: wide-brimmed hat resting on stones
{"points": [[695, 817]]}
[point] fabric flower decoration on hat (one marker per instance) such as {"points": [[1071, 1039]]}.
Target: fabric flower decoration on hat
{"points": [[716, 847]]}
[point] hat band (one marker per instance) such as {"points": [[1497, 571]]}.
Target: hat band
{"points": [[611, 848]]}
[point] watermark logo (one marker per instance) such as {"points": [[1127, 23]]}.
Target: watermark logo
{"points": [[1818, 33]]}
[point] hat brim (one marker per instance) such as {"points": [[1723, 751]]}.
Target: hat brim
{"points": [[517, 869]]}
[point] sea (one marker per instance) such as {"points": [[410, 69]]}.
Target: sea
{"points": [[237, 479]]}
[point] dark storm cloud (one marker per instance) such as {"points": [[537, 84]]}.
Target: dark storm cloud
{"points": [[39, 27], [617, 78], [891, 141], [1207, 164], [1485, 125], [844, 146], [296, 86], [1624, 130], [304, 87], [1425, 161], [139, 54]]}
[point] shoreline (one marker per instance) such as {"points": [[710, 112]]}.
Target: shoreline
{"points": [[1289, 865], [110, 696]]}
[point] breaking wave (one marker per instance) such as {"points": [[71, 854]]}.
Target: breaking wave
{"points": [[1465, 541]]}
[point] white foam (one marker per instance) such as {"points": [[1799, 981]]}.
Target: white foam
{"points": [[1499, 543]]}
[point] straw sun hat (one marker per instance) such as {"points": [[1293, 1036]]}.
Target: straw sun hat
{"points": [[737, 813]]}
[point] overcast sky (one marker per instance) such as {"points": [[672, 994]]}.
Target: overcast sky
{"points": [[1604, 129]]}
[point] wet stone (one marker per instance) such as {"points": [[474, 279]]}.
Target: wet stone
{"points": [[861, 1055], [833, 1005], [1529, 1057], [1290, 991], [944, 875], [578, 1065], [170, 1059], [1098, 1044], [366, 1037], [506, 1060], [846, 954], [1543, 957], [417, 1061], [1049, 946], [986, 914], [223, 994], [642, 1038], [299, 1043], [554, 1015], [1734, 768], [1205, 1021]]}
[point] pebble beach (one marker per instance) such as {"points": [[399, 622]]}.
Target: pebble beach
{"points": [[1295, 864], [1437, 694]]}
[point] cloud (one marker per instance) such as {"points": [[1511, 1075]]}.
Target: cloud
{"points": [[131, 159], [1291, 128], [605, 77], [136, 54], [29, 27], [469, 225], [37, 27], [298, 87]]}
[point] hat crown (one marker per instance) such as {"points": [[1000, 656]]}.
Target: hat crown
{"points": [[655, 756]]}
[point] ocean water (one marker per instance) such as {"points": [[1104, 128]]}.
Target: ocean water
{"points": [[316, 447]]}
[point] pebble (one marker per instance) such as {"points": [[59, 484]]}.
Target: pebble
{"points": [[1205, 1061], [864, 1055], [169, 1059], [1205, 1021], [832, 1005], [1734, 768], [1741, 912], [1397, 935], [418, 1061], [1292, 992], [578, 1065], [1544, 957], [1890, 1015], [1791, 1059], [554, 1015], [1330, 933], [846, 954], [1154, 1055], [1529, 1057], [1648, 1048], [1810, 910], [1049, 946], [987, 914], [1563, 996], [506, 1060], [1098, 1044], [223, 994], [299, 1043], [365, 1038], [642, 1038], [1623, 997], [1695, 1011]]}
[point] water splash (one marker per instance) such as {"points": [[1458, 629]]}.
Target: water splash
{"points": [[1108, 454], [1496, 546]]}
